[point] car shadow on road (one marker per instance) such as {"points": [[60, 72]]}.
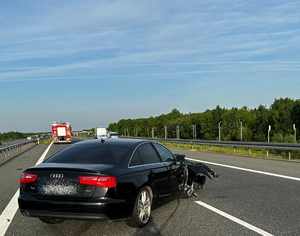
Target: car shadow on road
{"points": [[123, 226], [77, 228], [155, 229]]}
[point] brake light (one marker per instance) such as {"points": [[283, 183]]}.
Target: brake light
{"points": [[27, 178], [99, 181]]}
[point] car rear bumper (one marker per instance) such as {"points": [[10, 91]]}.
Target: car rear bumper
{"points": [[110, 209], [65, 215]]}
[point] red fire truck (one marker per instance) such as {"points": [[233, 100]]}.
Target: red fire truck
{"points": [[61, 132]]}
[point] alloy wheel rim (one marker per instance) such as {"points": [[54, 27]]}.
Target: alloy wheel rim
{"points": [[144, 206]]}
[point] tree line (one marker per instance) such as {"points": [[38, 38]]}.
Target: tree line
{"points": [[11, 136], [282, 116]]}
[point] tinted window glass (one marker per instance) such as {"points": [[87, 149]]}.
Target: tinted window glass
{"points": [[148, 154], [91, 154], [165, 154], [136, 159]]}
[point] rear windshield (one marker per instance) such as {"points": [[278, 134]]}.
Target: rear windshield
{"points": [[92, 154]]}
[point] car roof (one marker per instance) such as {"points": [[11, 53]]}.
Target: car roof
{"points": [[131, 143]]}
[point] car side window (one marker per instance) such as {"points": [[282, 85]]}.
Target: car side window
{"points": [[145, 154], [164, 153], [136, 159], [148, 154]]}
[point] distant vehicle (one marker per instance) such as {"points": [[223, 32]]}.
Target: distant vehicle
{"points": [[106, 180], [61, 132], [28, 138], [113, 135], [101, 133]]}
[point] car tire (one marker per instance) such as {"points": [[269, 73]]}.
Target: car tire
{"points": [[141, 214], [51, 220]]}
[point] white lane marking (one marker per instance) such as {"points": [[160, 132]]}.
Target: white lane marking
{"points": [[44, 155], [245, 169], [10, 210], [234, 219]]}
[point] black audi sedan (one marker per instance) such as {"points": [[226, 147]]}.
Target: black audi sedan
{"points": [[98, 179]]}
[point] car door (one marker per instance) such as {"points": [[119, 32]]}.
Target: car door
{"points": [[173, 168], [147, 158]]}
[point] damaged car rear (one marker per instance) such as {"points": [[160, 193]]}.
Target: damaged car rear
{"points": [[107, 179]]}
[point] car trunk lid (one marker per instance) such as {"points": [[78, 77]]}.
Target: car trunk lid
{"points": [[62, 182]]}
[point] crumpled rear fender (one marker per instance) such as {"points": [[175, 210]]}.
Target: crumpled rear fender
{"points": [[196, 169]]}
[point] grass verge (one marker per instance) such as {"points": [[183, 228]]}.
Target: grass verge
{"points": [[45, 141], [239, 151]]}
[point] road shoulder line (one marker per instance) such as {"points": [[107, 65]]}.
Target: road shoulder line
{"points": [[234, 219]]}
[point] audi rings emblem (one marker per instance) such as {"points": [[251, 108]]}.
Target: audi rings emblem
{"points": [[56, 176]]}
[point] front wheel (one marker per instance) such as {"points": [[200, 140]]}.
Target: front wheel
{"points": [[189, 190], [142, 208]]}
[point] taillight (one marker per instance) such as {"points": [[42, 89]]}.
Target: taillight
{"points": [[99, 181], [27, 178]]}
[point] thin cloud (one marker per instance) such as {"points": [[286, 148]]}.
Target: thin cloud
{"points": [[98, 37]]}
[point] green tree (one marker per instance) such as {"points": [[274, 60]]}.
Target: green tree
{"points": [[281, 115]]}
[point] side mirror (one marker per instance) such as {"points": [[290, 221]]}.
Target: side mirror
{"points": [[180, 157]]}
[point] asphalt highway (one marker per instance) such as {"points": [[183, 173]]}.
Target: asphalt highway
{"points": [[244, 200]]}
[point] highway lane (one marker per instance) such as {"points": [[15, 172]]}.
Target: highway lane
{"points": [[270, 203], [11, 171], [274, 166]]}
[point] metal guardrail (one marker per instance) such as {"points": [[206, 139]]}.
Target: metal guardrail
{"points": [[11, 151], [234, 144]]}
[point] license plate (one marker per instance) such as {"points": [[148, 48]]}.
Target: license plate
{"points": [[59, 190]]}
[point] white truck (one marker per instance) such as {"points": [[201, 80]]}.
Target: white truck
{"points": [[101, 133]]}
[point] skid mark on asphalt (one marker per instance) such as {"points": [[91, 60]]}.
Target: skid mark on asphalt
{"points": [[234, 219], [9, 212], [246, 169]]}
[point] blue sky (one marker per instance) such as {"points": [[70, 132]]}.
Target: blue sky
{"points": [[94, 62]]}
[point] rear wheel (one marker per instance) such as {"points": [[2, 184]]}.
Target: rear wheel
{"points": [[51, 220], [142, 208]]}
